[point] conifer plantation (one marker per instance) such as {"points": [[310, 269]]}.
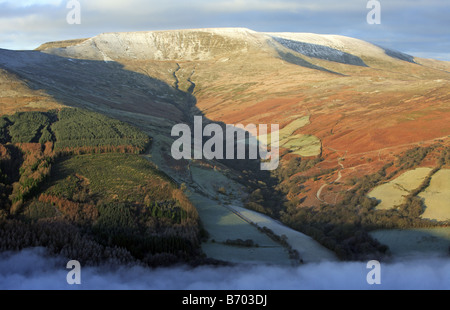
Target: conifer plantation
{"points": [[74, 182]]}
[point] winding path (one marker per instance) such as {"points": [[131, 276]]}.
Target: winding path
{"points": [[335, 181], [319, 192]]}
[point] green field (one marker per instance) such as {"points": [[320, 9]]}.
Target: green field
{"points": [[437, 196], [299, 144], [409, 242], [309, 249], [293, 126], [224, 218], [392, 193], [222, 224], [303, 145], [209, 181]]}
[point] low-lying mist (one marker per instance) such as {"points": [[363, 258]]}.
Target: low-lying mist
{"points": [[33, 269]]}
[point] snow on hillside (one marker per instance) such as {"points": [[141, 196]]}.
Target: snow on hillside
{"points": [[399, 55], [321, 52], [199, 44], [355, 47], [210, 43]]}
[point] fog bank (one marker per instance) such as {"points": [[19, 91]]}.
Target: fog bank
{"points": [[32, 269]]}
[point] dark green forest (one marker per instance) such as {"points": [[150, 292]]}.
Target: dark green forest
{"points": [[73, 181], [73, 131]]}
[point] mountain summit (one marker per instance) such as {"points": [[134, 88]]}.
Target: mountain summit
{"points": [[207, 44]]}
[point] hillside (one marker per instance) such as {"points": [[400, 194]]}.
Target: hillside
{"points": [[73, 181], [353, 116]]}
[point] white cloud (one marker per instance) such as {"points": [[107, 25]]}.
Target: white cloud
{"points": [[25, 3], [253, 5]]}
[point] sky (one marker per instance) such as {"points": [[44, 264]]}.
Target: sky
{"points": [[32, 269], [417, 27]]}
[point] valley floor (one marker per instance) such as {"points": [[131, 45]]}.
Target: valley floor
{"points": [[310, 251]]}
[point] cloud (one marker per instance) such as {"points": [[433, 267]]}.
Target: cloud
{"points": [[420, 25], [254, 5], [32, 269]]}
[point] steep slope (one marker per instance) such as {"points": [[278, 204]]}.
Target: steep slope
{"points": [[16, 95]]}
